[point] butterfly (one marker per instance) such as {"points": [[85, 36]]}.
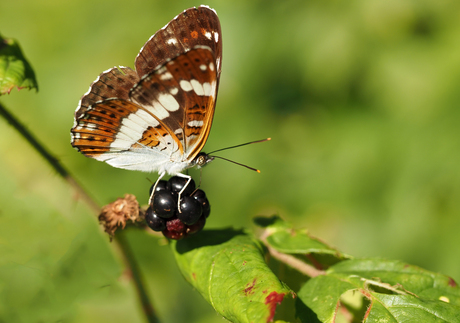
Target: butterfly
{"points": [[157, 117]]}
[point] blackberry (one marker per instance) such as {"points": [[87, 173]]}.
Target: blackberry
{"points": [[190, 210], [176, 184], [164, 204], [154, 221], [200, 196], [160, 186], [163, 214], [197, 226]]}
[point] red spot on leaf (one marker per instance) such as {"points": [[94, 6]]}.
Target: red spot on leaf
{"points": [[194, 276], [250, 288], [452, 283], [272, 300]]}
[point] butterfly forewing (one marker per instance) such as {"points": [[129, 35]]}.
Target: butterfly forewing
{"points": [[182, 94], [194, 26]]}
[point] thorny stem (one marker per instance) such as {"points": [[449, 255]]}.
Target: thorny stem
{"points": [[121, 241], [289, 260]]}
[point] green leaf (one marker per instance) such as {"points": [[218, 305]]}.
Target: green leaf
{"points": [[281, 236], [227, 267], [392, 291], [400, 307], [419, 281], [15, 71], [321, 295]]}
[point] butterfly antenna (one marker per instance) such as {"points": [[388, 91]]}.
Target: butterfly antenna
{"points": [[234, 162], [248, 143]]}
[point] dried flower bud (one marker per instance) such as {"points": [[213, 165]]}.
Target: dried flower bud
{"points": [[117, 213]]}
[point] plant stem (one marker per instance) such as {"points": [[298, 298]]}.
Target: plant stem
{"points": [[95, 208], [132, 264]]}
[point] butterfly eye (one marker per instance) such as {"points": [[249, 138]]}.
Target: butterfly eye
{"points": [[201, 160]]}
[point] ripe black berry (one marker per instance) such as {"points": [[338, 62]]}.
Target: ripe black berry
{"points": [[197, 226], [176, 184], [160, 186], [154, 221], [200, 196], [164, 204], [190, 210], [163, 214], [206, 210]]}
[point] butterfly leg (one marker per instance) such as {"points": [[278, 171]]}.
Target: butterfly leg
{"points": [[199, 183], [154, 187], [189, 178]]}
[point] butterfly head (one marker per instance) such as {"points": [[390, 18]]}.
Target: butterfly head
{"points": [[202, 159]]}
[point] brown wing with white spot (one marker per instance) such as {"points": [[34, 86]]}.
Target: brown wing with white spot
{"points": [[193, 27], [182, 94]]}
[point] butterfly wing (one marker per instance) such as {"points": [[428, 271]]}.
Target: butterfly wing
{"points": [[182, 94], [113, 83], [193, 27], [163, 124], [158, 117]]}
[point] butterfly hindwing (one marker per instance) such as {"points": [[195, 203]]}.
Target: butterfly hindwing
{"points": [[114, 129], [113, 83]]}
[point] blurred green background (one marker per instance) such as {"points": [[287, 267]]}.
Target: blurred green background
{"points": [[360, 97]]}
